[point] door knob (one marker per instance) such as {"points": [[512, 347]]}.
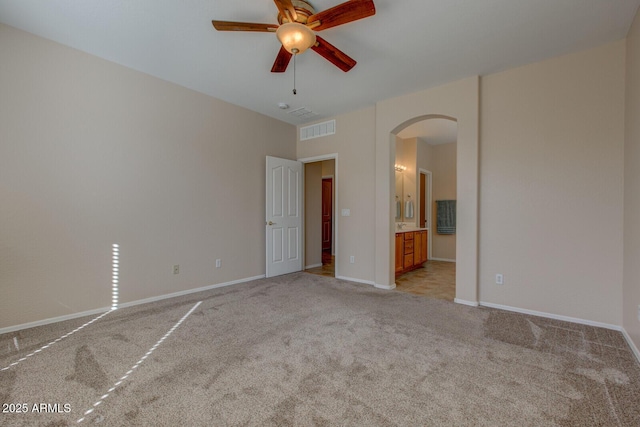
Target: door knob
{"points": [[271, 223]]}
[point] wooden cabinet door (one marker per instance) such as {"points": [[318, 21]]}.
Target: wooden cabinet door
{"points": [[408, 249], [408, 261], [417, 248], [424, 245], [399, 252]]}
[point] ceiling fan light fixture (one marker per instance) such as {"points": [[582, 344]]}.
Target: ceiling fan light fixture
{"points": [[295, 37]]}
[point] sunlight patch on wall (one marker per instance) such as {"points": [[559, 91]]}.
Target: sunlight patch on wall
{"points": [[115, 278]]}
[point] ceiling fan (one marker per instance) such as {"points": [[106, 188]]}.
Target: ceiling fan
{"points": [[298, 22]]}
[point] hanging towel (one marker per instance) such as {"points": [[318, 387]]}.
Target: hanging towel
{"points": [[446, 216], [398, 207], [408, 209]]}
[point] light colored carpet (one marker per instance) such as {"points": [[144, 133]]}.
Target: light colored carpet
{"points": [[309, 350]]}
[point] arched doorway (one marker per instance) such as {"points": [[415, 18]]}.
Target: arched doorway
{"points": [[458, 101], [425, 181]]}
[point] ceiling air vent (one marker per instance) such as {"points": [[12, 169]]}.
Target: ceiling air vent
{"points": [[318, 130], [302, 113]]}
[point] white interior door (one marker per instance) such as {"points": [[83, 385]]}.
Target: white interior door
{"points": [[284, 216]]}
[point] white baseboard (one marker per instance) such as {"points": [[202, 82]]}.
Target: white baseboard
{"points": [[552, 316], [189, 291], [124, 305], [632, 345], [634, 349], [351, 279], [465, 302], [53, 320], [313, 266], [442, 259], [385, 287]]}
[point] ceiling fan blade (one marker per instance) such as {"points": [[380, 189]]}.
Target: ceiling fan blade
{"points": [[349, 11], [333, 54], [243, 26], [286, 9], [282, 61]]}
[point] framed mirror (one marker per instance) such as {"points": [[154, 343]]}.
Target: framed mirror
{"points": [[399, 196]]}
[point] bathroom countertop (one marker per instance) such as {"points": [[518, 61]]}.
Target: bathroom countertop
{"points": [[407, 229]]}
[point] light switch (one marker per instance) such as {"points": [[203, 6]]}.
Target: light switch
{"points": [[346, 212]]}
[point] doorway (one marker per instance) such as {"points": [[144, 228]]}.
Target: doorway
{"points": [[327, 224], [428, 149], [327, 214], [320, 219], [425, 202]]}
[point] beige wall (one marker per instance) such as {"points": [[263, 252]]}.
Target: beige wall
{"points": [[551, 185], [93, 153], [444, 188], [313, 214], [631, 287], [353, 144]]}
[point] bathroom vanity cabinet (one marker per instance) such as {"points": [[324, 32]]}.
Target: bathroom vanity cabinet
{"points": [[411, 250]]}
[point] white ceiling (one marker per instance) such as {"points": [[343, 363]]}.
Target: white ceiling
{"points": [[407, 46]]}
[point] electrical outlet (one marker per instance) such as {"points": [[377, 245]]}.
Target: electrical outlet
{"points": [[176, 269], [218, 263], [352, 259], [499, 279]]}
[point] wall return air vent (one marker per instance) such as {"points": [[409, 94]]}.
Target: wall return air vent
{"points": [[318, 130]]}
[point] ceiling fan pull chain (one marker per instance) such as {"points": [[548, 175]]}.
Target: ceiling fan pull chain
{"points": [[294, 74]]}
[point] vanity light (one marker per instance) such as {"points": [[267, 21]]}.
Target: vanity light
{"points": [[400, 168]]}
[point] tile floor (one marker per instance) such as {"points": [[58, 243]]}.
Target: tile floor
{"points": [[436, 279], [327, 268]]}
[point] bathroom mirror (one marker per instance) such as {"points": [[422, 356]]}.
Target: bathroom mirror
{"points": [[399, 196]]}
